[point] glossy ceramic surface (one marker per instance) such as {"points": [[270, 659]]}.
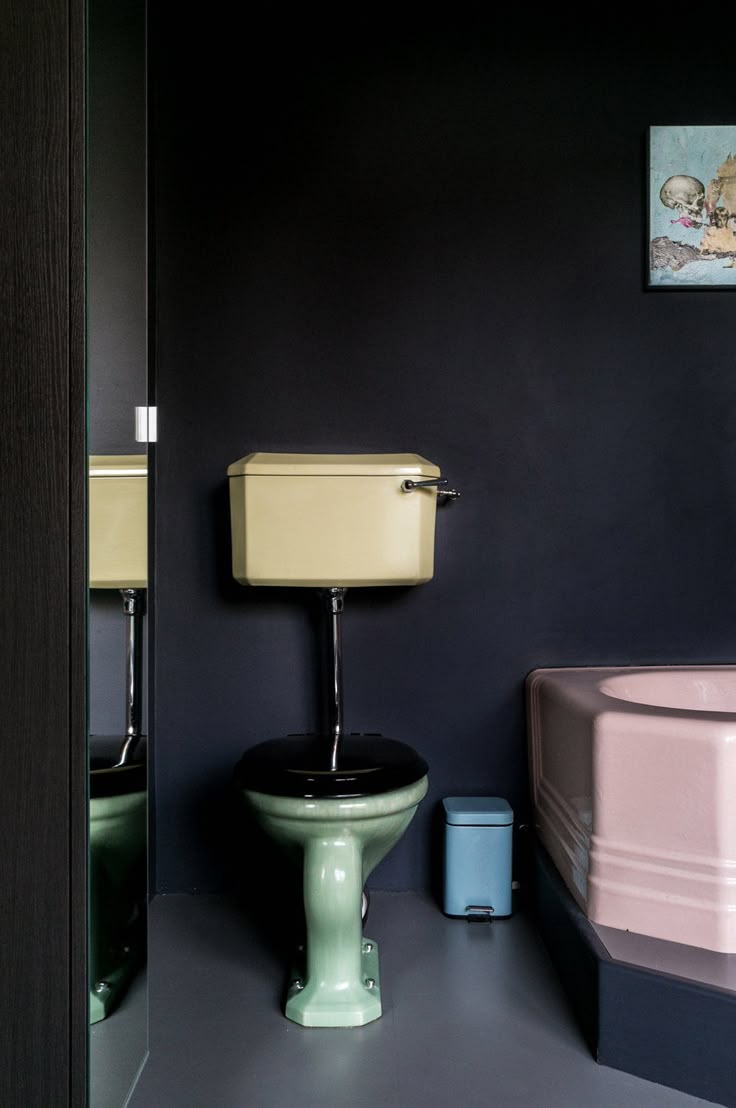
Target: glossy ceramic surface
{"points": [[338, 843], [633, 779], [118, 521], [117, 856], [330, 520]]}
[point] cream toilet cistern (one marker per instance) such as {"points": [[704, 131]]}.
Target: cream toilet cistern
{"points": [[330, 522]]}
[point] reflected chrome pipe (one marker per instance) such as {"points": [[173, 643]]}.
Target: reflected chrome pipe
{"points": [[133, 609]]}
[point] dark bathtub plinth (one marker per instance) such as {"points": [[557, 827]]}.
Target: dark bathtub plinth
{"points": [[667, 1029]]}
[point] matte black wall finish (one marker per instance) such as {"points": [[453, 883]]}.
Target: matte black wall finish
{"points": [[430, 242]]}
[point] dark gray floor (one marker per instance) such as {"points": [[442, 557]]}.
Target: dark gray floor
{"points": [[118, 1046], [473, 1015]]}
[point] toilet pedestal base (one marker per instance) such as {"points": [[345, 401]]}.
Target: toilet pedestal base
{"points": [[105, 995], [311, 1006], [338, 841]]}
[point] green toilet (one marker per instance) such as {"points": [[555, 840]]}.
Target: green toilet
{"points": [[336, 802], [117, 878]]}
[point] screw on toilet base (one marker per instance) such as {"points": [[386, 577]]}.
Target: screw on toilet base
{"points": [[297, 984], [370, 983], [367, 947]]}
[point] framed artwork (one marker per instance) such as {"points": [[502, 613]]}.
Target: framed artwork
{"points": [[692, 207]]}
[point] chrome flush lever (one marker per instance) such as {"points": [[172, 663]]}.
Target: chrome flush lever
{"points": [[450, 494]]}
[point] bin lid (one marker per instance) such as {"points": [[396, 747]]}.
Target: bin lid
{"points": [[478, 811], [332, 465]]}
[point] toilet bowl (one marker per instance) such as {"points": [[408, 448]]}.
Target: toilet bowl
{"points": [[336, 802], [117, 863], [336, 825]]}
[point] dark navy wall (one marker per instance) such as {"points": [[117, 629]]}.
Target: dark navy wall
{"points": [[429, 242]]}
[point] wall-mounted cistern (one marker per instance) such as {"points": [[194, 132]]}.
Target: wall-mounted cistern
{"points": [[337, 801]]}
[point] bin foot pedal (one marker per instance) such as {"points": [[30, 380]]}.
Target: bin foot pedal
{"points": [[479, 913]]}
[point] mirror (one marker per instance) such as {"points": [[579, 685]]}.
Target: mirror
{"points": [[118, 548]]}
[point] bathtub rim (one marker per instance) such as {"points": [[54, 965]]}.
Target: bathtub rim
{"points": [[590, 696]]}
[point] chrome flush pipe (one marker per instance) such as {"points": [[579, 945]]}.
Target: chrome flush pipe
{"points": [[334, 601], [132, 607]]}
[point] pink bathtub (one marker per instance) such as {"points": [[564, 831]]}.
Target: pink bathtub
{"points": [[633, 775]]}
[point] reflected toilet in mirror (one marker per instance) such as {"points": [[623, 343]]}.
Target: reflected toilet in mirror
{"points": [[118, 558]]}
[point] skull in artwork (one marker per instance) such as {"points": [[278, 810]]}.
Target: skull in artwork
{"points": [[685, 195]]}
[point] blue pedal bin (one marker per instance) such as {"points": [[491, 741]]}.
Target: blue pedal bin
{"points": [[478, 847]]}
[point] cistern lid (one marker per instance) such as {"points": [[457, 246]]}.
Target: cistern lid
{"points": [[299, 765], [332, 465], [118, 465]]}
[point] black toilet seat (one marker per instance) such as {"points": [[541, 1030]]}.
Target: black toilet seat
{"points": [[107, 779], [299, 765]]}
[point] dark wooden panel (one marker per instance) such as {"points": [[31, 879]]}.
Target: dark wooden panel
{"points": [[78, 576], [42, 542]]}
